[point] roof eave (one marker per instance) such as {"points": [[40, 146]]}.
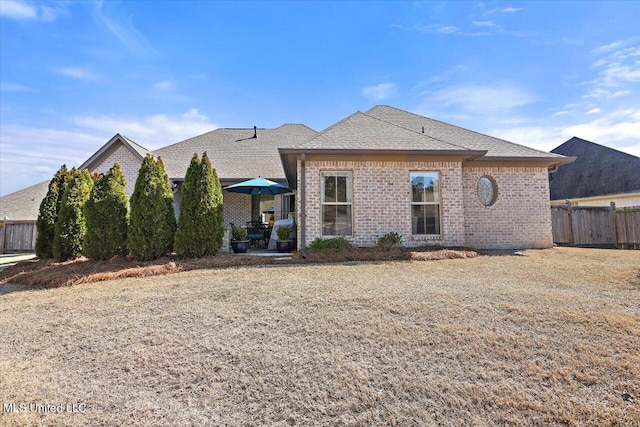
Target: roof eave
{"points": [[467, 154], [550, 161]]}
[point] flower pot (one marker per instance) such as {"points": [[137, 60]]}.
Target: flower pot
{"points": [[240, 246], [284, 246]]}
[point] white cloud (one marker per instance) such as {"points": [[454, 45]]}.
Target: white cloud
{"points": [[18, 10], [593, 111], [600, 50], [512, 9], [32, 154], [481, 99], [619, 130], [79, 73], [380, 92], [484, 23], [122, 27], [14, 87], [163, 85], [153, 131], [618, 66], [24, 11]]}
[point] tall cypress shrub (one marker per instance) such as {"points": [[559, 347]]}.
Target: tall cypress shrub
{"points": [[152, 223], [200, 230], [107, 216], [48, 213], [71, 225], [218, 219]]}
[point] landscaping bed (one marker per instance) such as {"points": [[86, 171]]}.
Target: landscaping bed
{"points": [[49, 273]]}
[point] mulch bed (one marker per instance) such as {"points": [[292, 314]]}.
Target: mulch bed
{"points": [[51, 274]]}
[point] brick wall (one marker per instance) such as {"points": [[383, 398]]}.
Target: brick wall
{"points": [[520, 217], [237, 208], [381, 200], [129, 164]]}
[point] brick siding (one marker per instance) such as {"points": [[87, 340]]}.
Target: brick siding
{"points": [[520, 217], [381, 200], [381, 203], [129, 164]]}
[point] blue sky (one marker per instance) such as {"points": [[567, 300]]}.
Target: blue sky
{"points": [[74, 73]]}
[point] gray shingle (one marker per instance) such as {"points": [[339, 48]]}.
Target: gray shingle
{"points": [[364, 132], [234, 153], [23, 204], [452, 134]]}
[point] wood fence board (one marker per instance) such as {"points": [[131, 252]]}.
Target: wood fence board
{"points": [[19, 236], [596, 226]]}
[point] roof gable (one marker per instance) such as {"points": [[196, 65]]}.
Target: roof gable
{"points": [[597, 171], [361, 131], [98, 157], [496, 148]]}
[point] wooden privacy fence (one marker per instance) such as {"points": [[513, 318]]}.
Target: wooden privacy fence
{"points": [[17, 236], [596, 226]]}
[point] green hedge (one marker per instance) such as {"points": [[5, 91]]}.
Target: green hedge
{"points": [[107, 216], [152, 223], [48, 213], [71, 226], [201, 224]]}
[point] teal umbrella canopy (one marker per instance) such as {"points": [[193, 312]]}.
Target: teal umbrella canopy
{"points": [[258, 186]]}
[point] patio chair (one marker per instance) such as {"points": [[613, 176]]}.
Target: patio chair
{"points": [[256, 235]]}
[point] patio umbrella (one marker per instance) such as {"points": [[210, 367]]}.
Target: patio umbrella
{"points": [[258, 186]]}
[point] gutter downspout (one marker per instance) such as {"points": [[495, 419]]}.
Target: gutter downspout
{"points": [[303, 194]]}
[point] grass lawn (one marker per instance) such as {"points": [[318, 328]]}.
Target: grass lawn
{"points": [[549, 337]]}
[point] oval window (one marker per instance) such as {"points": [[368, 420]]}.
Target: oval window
{"points": [[487, 191]]}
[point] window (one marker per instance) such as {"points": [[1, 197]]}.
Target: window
{"points": [[425, 203], [336, 204], [288, 206], [487, 191]]}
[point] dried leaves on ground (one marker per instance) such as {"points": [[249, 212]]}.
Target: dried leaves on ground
{"points": [[48, 273]]}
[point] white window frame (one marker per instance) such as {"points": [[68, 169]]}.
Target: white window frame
{"points": [[349, 202], [437, 201]]}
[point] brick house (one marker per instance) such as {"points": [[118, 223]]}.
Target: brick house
{"points": [[385, 170]]}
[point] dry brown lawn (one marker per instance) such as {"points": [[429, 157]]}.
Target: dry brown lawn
{"points": [[545, 338]]}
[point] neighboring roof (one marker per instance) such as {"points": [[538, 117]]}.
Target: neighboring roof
{"points": [[497, 149], [138, 150], [23, 204], [597, 171], [363, 132], [235, 153]]}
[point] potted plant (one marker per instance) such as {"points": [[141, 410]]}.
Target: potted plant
{"points": [[239, 241], [284, 243]]}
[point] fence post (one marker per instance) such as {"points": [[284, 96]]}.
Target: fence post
{"points": [[3, 234], [615, 225], [568, 203]]}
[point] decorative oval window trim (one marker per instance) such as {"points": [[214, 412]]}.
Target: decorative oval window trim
{"points": [[487, 190]]}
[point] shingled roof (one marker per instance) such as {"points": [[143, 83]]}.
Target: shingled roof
{"points": [[597, 171], [362, 131], [496, 148], [23, 204], [235, 153]]}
